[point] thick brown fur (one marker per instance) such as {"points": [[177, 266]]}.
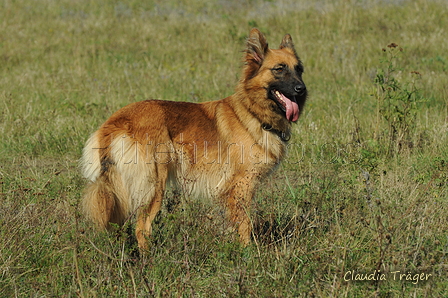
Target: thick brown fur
{"points": [[221, 149]]}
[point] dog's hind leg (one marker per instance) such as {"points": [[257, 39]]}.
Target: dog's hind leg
{"points": [[148, 212]]}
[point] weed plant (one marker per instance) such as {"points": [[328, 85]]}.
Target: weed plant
{"points": [[398, 103]]}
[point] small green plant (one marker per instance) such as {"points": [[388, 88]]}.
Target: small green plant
{"points": [[397, 101]]}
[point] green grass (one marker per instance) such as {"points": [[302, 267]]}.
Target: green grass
{"points": [[341, 202]]}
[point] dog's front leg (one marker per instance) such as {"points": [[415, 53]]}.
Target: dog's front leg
{"points": [[238, 206], [239, 216]]}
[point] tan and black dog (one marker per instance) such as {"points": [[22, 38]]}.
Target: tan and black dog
{"points": [[219, 149]]}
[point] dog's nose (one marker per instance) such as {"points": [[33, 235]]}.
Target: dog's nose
{"points": [[300, 88]]}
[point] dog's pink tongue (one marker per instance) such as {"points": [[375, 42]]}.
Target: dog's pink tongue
{"points": [[292, 109]]}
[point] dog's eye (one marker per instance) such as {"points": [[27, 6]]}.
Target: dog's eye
{"points": [[279, 68]]}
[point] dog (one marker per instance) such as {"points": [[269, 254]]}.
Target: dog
{"points": [[219, 149]]}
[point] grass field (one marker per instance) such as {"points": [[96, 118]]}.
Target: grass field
{"points": [[363, 193]]}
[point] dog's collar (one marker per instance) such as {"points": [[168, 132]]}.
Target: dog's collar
{"points": [[285, 137]]}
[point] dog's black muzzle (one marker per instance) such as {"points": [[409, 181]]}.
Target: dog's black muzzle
{"points": [[300, 89]]}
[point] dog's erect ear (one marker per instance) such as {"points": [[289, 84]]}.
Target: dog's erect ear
{"points": [[287, 43], [257, 47]]}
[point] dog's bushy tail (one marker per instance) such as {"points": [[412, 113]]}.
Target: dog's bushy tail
{"points": [[100, 200], [99, 203]]}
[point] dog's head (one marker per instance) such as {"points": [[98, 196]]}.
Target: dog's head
{"points": [[277, 72]]}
